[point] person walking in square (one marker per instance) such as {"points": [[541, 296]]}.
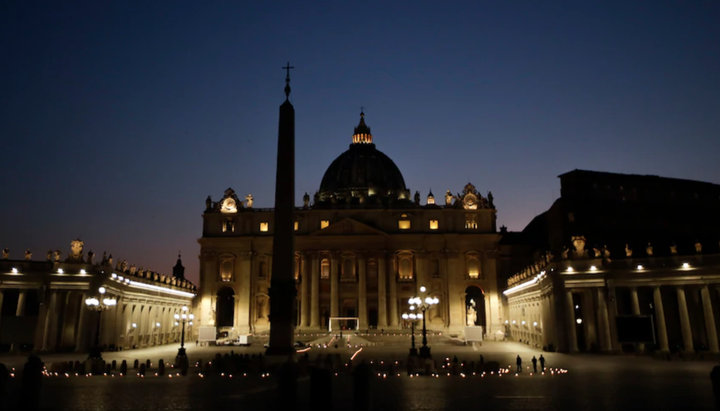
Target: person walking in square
{"points": [[534, 362], [542, 362], [518, 361]]}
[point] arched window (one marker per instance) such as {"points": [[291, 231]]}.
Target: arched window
{"points": [[226, 269], [348, 268], [472, 262], [405, 266]]}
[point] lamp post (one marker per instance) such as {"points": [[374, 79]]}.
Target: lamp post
{"points": [[412, 317], [423, 302], [183, 317], [99, 304]]}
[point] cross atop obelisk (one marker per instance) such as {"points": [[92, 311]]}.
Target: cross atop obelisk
{"points": [[287, 69]]}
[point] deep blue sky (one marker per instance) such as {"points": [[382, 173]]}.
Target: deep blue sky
{"points": [[117, 121]]}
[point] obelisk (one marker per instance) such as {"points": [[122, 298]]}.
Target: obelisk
{"points": [[282, 284]]}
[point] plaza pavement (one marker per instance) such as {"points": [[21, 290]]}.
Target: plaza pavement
{"points": [[592, 382]]}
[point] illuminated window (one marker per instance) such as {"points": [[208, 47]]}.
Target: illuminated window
{"points": [[264, 226], [405, 267], [226, 270], [433, 224], [473, 266], [324, 223], [296, 226], [296, 267], [404, 224], [325, 269], [471, 222], [228, 226]]}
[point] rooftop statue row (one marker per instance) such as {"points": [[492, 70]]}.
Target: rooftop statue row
{"points": [[76, 256], [580, 252], [469, 199]]}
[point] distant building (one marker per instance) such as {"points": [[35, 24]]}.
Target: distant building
{"points": [[364, 245], [619, 262], [53, 305]]}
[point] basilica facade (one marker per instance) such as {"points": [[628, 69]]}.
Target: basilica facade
{"points": [[363, 246]]}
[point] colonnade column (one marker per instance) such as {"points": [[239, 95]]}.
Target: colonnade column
{"points": [[635, 306], [604, 323], [1, 304], [304, 303], [684, 320], [362, 295], [382, 296], [709, 319], [571, 334], [393, 301], [80, 337], [314, 292], [20, 310], [334, 309], [660, 320], [50, 319]]}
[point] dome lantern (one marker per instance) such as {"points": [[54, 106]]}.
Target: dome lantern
{"points": [[362, 132]]}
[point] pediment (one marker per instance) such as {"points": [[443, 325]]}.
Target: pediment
{"points": [[349, 226]]}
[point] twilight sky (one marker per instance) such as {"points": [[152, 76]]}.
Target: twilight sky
{"points": [[117, 121]]}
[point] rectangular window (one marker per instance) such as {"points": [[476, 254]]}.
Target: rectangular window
{"points": [[264, 226], [404, 224], [324, 224], [433, 224], [296, 225]]}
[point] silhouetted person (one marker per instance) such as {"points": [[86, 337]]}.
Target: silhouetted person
{"points": [[534, 362], [361, 387], [31, 384], [715, 379], [287, 386], [518, 361], [542, 362], [320, 386], [4, 379]]}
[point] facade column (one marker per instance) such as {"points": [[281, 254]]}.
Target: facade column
{"points": [[660, 320], [392, 299], [635, 306], [243, 301], [572, 333], [684, 320], [603, 322], [334, 300], [709, 320], [304, 290], [362, 295], [382, 295], [315, 291]]}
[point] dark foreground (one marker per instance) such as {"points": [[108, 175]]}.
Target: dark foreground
{"points": [[592, 382]]}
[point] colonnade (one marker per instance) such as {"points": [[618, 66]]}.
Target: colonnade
{"points": [[601, 310], [63, 321]]}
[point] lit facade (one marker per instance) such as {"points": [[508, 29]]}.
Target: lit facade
{"points": [[363, 246]]}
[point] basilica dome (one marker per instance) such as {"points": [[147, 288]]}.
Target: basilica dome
{"points": [[362, 174]]}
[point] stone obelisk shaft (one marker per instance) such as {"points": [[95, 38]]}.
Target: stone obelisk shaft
{"points": [[282, 284]]}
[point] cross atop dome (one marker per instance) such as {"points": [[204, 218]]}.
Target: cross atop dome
{"points": [[362, 131]]}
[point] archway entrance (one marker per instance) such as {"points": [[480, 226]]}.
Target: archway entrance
{"points": [[225, 307], [475, 307]]}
